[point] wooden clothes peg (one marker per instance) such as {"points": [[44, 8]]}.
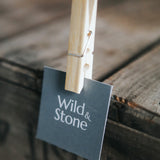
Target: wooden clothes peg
{"points": [[81, 44]]}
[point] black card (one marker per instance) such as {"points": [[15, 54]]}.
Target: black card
{"points": [[74, 122]]}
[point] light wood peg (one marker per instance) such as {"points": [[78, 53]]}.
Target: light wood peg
{"points": [[81, 44]]}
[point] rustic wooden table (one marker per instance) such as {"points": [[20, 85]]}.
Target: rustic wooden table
{"points": [[127, 55]]}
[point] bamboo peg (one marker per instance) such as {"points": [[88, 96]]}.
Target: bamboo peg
{"points": [[81, 44]]}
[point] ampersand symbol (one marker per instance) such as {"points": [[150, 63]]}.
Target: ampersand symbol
{"points": [[87, 116]]}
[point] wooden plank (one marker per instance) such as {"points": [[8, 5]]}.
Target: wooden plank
{"points": [[116, 41], [122, 143], [21, 15], [122, 110], [18, 121], [20, 85], [39, 48], [136, 88], [17, 75]]}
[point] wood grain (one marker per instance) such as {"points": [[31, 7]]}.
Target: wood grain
{"points": [[115, 43], [36, 34], [137, 86], [18, 121], [22, 15], [119, 140], [19, 113]]}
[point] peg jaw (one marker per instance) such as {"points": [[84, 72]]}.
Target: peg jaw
{"points": [[81, 44], [78, 68]]}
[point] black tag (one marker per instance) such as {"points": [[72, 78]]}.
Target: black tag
{"points": [[74, 122]]}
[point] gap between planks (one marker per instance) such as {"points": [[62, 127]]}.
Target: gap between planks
{"points": [[135, 56]]}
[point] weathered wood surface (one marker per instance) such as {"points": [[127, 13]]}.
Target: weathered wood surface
{"points": [[19, 16], [18, 119], [137, 86], [126, 31], [115, 44], [124, 143]]}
